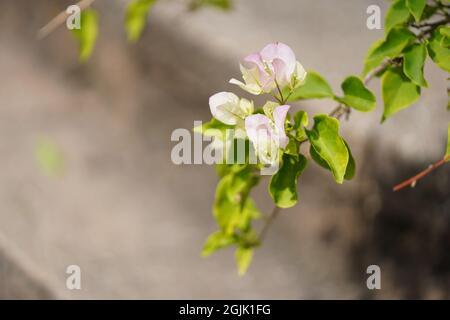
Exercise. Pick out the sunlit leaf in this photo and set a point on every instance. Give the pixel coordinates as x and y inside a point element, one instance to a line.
<point>413,63</point>
<point>328,144</point>
<point>416,8</point>
<point>220,4</point>
<point>243,257</point>
<point>397,13</point>
<point>315,87</point>
<point>136,18</point>
<point>398,91</point>
<point>87,34</point>
<point>217,240</point>
<point>351,166</point>
<point>49,157</point>
<point>439,54</point>
<point>283,184</point>
<point>356,95</point>
<point>391,47</point>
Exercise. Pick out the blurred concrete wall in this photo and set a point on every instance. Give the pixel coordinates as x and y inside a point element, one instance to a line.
<point>135,222</point>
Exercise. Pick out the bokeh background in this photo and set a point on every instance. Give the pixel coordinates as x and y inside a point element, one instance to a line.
<point>86,176</point>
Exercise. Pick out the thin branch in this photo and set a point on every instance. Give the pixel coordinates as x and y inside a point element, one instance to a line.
<point>60,19</point>
<point>270,218</point>
<point>386,63</point>
<point>413,180</point>
<point>430,24</point>
<point>341,109</point>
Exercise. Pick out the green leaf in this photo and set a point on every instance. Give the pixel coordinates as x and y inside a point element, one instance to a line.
<point>327,143</point>
<point>219,4</point>
<point>87,34</point>
<point>356,95</point>
<point>440,55</point>
<point>300,123</point>
<point>292,147</point>
<point>445,31</point>
<point>243,257</point>
<point>214,128</point>
<point>351,166</point>
<point>231,206</point>
<point>136,18</point>
<point>224,169</point>
<point>249,213</point>
<point>391,47</point>
<point>445,42</point>
<point>429,11</point>
<point>447,153</point>
<point>398,91</point>
<point>416,8</point>
<point>413,63</point>
<point>49,157</point>
<point>283,184</point>
<point>315,87</point>
<point>216,241</point>
<point>397,13</point>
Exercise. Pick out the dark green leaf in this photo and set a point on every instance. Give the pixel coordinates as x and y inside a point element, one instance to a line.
<point>399,92</point>
<point>356,95</point>
<point>327,143</point>
<point>283,185</point>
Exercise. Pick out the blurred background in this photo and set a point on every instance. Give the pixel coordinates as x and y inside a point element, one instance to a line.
<point>86,176</point>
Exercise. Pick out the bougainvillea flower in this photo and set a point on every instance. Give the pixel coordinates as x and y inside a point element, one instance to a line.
<point>228,108</point>
<point>268,135</point>
<point>274,66</point>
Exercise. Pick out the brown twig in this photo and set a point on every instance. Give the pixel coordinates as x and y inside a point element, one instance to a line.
<point>341,109</point>
<point>269,220</point>
<point>413,180</point>
<point>60,18</point>
<point>431,26</point>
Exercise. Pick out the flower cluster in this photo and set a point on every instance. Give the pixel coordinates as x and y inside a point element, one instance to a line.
<point>275,71</point>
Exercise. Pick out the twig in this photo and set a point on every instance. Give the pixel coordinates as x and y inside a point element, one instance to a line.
<point>60,19</point>
<point>413,180</point>
<point>379,69</point>
<point>270,218</point>
<point>341,109</point>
